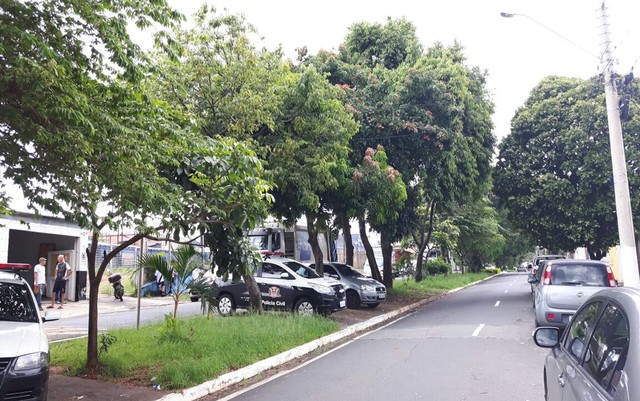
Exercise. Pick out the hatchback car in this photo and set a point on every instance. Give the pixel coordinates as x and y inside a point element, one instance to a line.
<point>360,289</point>
<point>24,349</point>
<point>563,285</point>
<point>287,285</point>
<point>598,356</point>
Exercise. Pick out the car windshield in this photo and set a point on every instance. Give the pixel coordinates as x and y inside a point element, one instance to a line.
<point>260,241</point>
<point>16,304</point>
<point>301,270</point>
<point>347,271</point>
<point>587,274</point>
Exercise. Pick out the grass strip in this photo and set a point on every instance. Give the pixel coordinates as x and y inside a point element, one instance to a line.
<point>187,352</point>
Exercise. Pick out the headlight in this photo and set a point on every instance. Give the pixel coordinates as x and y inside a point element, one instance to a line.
<point>322,289</point>
<point>32,361</point>
<point>365,287</point>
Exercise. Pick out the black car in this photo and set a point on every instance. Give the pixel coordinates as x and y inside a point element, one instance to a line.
<point>286,285</point>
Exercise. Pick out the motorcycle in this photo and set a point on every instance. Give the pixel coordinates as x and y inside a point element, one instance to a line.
<point>118,288</point>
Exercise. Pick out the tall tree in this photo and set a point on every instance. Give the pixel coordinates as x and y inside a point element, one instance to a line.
<point>554,170</point>
<point>82,139</point>
<point>480,240</point>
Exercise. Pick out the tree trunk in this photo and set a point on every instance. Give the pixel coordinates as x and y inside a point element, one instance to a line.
<point>371,257</point>
<point>387,251</point>
<point>424,240</point>
<point>348,240</point>
<point>315,245</point>
<point>255,298</point>
<point>95,276</point>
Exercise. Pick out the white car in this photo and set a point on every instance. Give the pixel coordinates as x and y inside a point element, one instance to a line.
<point>24,348</point>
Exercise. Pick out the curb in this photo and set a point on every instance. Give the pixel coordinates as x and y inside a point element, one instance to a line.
<point>231,378</point>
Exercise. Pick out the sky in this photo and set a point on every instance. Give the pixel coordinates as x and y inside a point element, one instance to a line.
<point>517,52</point>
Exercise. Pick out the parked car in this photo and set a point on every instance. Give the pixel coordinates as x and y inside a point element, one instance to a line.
<point>541,258</point>
<point>24,349</point>
<point>285,284</point>
<point>360,289</point>
<point>564,284</point>
<point>598,356</point>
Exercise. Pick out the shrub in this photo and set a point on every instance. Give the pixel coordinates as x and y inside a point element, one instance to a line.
<point>438,266</point>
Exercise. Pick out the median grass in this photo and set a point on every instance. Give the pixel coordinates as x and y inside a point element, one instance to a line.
<point>433,285</point>
<point>187,352</point>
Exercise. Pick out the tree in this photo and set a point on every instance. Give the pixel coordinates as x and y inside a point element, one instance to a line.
<point>307,150</point>
<point>480,240</point>
<point>82,138</point>
<point>380,195</point>
<point>554,170</point>
<point>177,271</point>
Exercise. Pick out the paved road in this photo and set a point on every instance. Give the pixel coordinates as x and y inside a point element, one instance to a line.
<point>472,345</point>
<point>69,327</point>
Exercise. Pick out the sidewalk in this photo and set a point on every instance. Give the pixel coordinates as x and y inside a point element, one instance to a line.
<point>106,304</point>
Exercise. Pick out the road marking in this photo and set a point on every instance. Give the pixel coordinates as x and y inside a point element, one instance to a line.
<point>497,303</point>
<point>477,331</point>
<point>505,291</point>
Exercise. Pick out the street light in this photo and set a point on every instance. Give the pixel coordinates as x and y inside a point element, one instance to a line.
<point>628,256</point>
<point>511,15</point>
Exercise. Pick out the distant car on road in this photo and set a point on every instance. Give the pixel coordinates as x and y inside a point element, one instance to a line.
<point>563,285</point>
<point>598,356</point>
<point>360,289</point>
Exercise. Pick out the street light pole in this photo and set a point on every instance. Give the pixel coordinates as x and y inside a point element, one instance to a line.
<point>628,256</point>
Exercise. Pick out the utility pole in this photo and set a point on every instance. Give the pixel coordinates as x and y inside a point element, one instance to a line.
<point>628,257</point>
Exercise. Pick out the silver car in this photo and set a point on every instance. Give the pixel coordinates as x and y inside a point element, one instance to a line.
<point>598,356</point>
<point>562,285</point>
<point>360,289</point>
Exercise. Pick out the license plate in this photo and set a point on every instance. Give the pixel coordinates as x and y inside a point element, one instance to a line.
<point>382,296</point>
<point>343,303</point>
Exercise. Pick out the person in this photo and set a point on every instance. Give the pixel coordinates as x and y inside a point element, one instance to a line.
<point>63,271</point>
<point>160,281</point>
<point>39,280</point>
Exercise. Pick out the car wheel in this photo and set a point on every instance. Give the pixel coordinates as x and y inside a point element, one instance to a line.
<point>353,300</point>
<point>226,306</point>
<point>303,307</point>
<point>371,306</point>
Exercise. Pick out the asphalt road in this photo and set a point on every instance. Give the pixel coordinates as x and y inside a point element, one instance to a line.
<point>472,345</point>
<point>77,326</point>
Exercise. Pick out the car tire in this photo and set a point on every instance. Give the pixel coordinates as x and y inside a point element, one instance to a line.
<point>304,307</point>
<point>353,299</point>
<point>226,306</point>
<point>371,306</point>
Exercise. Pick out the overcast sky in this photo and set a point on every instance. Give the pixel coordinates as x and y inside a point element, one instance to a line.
<point>517,52</point>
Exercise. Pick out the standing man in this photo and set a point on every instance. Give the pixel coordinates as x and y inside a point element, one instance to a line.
<point>39,280</point>
<point>63,271</point>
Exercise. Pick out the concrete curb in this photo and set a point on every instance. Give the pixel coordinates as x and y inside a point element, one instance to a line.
<point>231,378</point>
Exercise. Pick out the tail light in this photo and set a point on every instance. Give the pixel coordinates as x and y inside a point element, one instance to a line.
<point>546,278</point>
<point>610,278</point>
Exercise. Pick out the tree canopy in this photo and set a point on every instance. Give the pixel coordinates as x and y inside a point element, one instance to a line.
<point>554,170</point>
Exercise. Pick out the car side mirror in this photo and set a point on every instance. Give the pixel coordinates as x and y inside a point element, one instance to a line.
<point>285,276</point>
<point>546,337</point>
<point>532,279</point>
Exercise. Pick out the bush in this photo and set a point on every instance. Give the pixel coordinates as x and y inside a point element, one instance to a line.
<point>438,266</point>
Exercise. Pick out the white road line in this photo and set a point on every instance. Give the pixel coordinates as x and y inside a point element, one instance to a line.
<point>497,303</point>
<point>505,291</point>
<point>477,331</point>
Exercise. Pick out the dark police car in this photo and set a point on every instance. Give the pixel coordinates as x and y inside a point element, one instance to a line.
<point>287,285</point>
